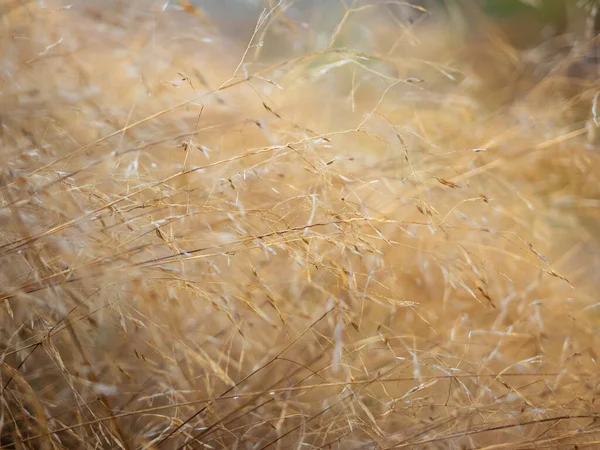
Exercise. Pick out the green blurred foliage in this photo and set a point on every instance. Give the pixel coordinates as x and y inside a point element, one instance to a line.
<point>545,10</point>
<point>524,23</point>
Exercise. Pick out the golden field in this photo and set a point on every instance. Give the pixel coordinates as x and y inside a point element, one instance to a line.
<point>359,233</point>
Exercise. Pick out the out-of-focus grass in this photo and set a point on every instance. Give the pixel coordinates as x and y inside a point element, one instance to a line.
<point>386,239</point>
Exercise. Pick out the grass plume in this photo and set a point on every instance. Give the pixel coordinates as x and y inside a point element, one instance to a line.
<point>353,229</point>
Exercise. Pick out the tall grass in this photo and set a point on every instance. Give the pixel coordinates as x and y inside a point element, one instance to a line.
<point>365,232</point>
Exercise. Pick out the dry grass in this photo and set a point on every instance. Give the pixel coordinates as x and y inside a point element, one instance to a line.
<point>360,234</point>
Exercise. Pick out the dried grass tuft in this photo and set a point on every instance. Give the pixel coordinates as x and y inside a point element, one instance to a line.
<point>364,232</point>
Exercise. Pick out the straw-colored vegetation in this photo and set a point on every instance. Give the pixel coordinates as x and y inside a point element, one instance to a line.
<point>366,232</point>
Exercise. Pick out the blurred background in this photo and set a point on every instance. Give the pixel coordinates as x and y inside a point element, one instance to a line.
<point>525,22</point>
<point>541,29</point>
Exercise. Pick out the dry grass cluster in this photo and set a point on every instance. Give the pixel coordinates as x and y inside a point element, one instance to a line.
<point>355,234</point>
